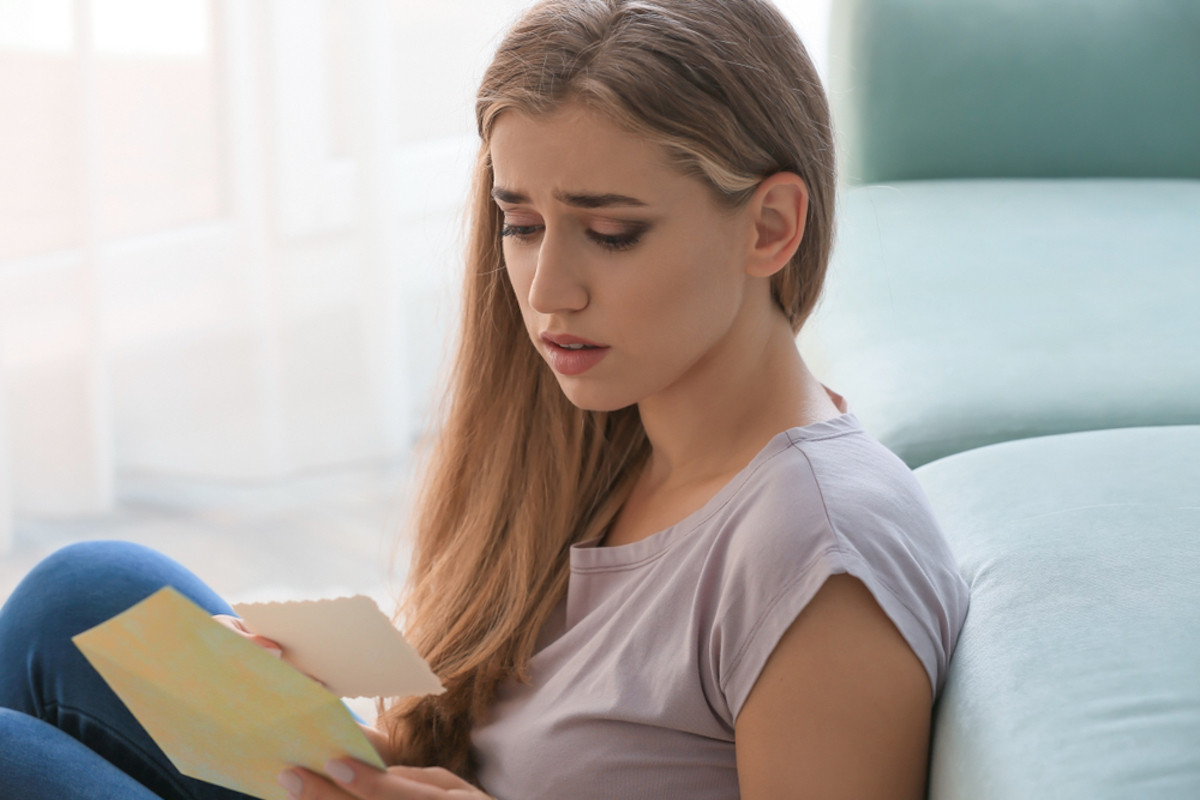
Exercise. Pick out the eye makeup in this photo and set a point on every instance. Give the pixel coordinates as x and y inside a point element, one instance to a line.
<point>617,242</point>
<point>609,241</point>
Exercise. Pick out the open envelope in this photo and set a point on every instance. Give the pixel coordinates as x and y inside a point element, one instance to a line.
<point>221,708</point>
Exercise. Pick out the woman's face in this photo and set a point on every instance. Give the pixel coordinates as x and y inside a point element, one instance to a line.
<point>627,273</point>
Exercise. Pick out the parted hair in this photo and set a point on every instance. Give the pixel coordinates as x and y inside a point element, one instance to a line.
<point>514,473</point>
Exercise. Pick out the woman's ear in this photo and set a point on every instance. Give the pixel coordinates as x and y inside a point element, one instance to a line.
<point>778,209</point>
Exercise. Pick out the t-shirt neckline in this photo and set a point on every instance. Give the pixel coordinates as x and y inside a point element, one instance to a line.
<point>587,557</point>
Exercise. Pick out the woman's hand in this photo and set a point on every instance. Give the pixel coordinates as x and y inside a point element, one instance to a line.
<point>353,780</point>
<point>237,626</point>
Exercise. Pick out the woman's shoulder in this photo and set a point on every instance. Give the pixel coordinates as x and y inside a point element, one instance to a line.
<point>837,473</point>
<point>827,499</point>
<point>862,484</point>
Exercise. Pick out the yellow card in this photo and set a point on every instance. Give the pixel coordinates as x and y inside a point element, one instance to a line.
<point>222,709</point>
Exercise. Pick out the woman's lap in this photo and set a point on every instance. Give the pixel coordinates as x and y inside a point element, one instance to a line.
<point>44,676</point>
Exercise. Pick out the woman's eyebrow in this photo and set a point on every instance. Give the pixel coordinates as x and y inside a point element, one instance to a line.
<point>582,200</point>
<point>597,200</point>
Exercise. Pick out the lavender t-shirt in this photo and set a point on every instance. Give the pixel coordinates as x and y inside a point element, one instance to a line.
<point>642,670</point>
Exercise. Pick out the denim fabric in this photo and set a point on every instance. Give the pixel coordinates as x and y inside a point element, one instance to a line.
<point>64,735</point>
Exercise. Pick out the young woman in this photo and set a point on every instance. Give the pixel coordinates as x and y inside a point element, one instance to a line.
<point>654,557</point>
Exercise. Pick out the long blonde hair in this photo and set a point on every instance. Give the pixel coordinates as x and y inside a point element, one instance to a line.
<point>517,474</point>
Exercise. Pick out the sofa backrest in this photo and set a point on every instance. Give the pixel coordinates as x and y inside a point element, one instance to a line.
<point>1016,88</point>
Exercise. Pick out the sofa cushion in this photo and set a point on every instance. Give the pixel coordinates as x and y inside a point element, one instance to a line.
<point>1016,88</point>
<point>962,313</point>
<point>1077,673</point>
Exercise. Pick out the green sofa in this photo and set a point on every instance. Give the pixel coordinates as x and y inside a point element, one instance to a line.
<point>1014,308</point>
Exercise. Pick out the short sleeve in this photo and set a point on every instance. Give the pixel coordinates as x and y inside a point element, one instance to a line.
<point>839,505</point>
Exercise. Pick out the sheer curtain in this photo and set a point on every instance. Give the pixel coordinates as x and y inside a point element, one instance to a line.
<point>229,233</point>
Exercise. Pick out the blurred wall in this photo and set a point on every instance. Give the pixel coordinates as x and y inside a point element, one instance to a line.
<point>229,232</point>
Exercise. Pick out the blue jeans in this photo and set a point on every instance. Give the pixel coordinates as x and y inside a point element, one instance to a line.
<point>64,735</point>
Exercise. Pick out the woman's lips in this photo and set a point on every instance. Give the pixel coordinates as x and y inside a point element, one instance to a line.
<point>566,360</point>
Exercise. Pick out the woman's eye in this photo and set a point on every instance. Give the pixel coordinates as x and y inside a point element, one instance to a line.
<point>616,242</point>
<point>622,241</point>
<point>519,231</point>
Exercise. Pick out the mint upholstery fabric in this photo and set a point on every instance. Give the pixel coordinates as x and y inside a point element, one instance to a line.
<point>1016,88</point>
<point>1077,673</point>
<point>963,313</point>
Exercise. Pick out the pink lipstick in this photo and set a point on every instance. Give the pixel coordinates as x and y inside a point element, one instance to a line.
<point>572,355</point>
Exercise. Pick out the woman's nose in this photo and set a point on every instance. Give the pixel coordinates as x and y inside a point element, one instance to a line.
<point>558,283</point>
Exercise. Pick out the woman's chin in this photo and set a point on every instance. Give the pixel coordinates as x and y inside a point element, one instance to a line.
<point>593,398</point>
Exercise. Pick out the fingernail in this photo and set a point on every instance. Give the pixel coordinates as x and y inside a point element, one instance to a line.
<point>274,651</point>
<point>292,782</point>
<point>339,771</point>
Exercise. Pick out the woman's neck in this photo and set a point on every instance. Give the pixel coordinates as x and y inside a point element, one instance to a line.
<point>749,388</point>
<point>709,426</point>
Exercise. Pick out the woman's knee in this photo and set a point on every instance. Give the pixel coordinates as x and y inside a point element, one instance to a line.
<point>86,583</point>
<point>68,592</point>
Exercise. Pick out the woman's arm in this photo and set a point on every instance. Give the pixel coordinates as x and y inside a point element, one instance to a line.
<point>841,709</point>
